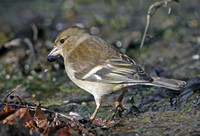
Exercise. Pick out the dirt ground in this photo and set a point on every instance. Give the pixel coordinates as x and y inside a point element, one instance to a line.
<point>172,48</point>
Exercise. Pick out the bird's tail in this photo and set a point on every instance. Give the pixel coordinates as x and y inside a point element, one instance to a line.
<point>168,83</point>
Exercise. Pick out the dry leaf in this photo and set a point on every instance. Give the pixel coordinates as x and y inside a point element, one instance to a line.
<point>54,126</point>
<point>63,132</point>
<point>6,111</point>
<point>28,120</point>
<point>11,119</point>
<point>40,118</point>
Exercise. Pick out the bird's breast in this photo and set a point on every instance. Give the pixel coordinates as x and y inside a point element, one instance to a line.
<point>97,89</point>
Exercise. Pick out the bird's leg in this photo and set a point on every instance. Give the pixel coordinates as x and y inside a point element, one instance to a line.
<point>118,104</point>
<point>119,108</point>
<point>98,105</point>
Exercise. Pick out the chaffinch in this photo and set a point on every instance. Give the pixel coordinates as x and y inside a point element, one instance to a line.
<point>99,68</point>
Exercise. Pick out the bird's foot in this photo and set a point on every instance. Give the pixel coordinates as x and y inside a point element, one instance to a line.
<point>92,117</point>
<point>119,109</point>
<point>119,106</point>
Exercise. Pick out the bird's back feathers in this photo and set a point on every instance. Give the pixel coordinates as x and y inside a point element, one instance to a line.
<point>109,66</point>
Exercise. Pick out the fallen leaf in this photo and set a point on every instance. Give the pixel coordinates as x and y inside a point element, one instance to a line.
<point>6,111</point>
<point>28,120</point>
<point>63,132</point>
<point>11,119</point>
<point>54,126</point>
<point>56,121</point>
<point>40,118</point>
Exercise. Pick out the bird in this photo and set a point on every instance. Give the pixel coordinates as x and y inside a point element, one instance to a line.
<point>99,68</point>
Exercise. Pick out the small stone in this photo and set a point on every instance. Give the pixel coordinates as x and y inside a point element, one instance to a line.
<point>195,57</point>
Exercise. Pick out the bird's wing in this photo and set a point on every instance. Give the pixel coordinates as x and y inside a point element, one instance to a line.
<point>116,70</point>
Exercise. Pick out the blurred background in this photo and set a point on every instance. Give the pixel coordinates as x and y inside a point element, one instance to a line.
<point>28,30</point>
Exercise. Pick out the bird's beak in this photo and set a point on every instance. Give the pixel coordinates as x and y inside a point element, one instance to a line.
<point>53,54</point>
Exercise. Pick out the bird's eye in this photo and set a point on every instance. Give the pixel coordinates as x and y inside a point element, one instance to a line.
<point>62,40</point>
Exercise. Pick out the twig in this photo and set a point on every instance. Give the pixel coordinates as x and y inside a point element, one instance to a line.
<point>65,116</point>
<point>79,101</point>
<point>32,108</point>
<point>35,32</point>
<point>30,45</point>
<point>17,42</point>
<point>152,9</point>
<point>10,94</point>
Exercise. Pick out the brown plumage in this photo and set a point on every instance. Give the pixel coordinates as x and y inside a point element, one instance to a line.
<point>99,68</point>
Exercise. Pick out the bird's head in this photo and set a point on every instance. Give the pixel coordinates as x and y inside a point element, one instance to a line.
<point>66,42</point>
